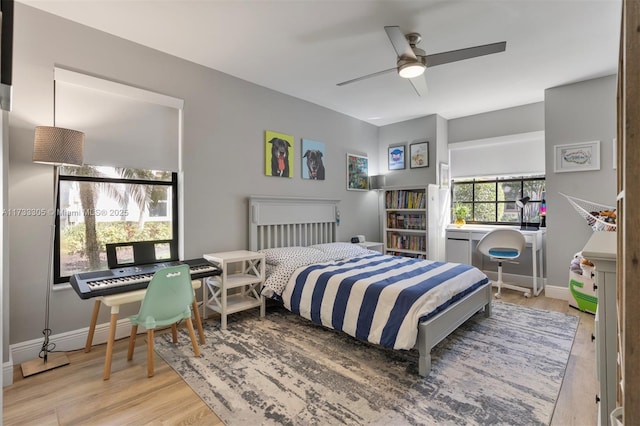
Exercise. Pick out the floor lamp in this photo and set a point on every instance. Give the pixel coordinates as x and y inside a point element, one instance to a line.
<point>55,146</point>
<point>377,184</point>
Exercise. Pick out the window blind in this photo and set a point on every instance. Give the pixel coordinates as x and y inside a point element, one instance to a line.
<point>124,126</point>
<point>513,155</point>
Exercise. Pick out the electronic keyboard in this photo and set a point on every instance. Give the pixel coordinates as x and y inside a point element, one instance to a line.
<point>129,278</point>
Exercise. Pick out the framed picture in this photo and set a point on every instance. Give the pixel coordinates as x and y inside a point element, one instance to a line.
<point>312,160</point>
<point>278,154</point>
<point>357,173</point>
<point>396,157</point>
<point>444,175</point>
<point>577,157</point>
<point>419,155</point>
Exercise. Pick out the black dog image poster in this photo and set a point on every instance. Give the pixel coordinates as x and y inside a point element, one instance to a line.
<point>312,160</point>
<point>278,154</point>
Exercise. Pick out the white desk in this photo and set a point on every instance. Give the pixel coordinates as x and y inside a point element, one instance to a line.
<point>114,301</point>
<point>460,248</point>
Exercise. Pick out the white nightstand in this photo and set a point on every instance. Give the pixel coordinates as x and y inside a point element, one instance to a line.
<point>371,245</point>
<point>241,269</point>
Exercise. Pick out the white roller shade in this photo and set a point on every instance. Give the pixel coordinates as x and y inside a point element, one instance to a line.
<point>124,126</point>
<point>513,155</point>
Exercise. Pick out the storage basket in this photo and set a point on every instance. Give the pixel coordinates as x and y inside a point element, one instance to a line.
<point>599,217</point>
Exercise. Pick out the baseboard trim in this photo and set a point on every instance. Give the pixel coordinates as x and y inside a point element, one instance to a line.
<point>7,372</point>
<point>556,292</point>
<point>69,341</point>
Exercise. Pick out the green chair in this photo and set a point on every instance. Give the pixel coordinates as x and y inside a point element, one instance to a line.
<point>168,300</point>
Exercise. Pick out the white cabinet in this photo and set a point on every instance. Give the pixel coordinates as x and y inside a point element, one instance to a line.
<point>458,247</point>
<point>243,271</point>
<point>601,250</point>
<point>405,221</point>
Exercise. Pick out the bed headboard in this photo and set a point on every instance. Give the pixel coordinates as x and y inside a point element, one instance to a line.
<point>291,221</point>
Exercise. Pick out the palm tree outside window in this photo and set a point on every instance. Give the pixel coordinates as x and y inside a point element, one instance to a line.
<point>101,205</point>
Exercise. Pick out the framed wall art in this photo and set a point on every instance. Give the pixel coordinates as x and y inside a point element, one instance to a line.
<point>419,155</point>
<point>577,157</point>
<point>357,173</point>
<point>396,156</point>
<point>278,156</point>
<point>313,155</point>
<point>444,175</point>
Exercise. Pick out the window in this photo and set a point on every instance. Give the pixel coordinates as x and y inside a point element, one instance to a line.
<point>493,200</point>
<point>101,205</point>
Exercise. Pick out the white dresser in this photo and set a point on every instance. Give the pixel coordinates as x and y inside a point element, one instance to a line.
<point>601,250</point>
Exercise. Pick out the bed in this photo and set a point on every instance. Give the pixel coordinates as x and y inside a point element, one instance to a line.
<point>392,301</point>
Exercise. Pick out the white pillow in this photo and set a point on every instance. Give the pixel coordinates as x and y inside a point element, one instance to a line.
<point>276,256</point>
<point>280,274</point>
<point>338,251</point>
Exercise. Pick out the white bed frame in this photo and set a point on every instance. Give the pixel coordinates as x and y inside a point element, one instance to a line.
<point>292,221</point>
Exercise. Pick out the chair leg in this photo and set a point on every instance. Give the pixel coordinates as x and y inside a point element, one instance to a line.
<point>192,334</point>
<point>174,332</point>
<point>150,353</point>
<point>132,342</point>
<point>499,282</point>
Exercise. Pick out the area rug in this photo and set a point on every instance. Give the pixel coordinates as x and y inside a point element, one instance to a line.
<point>283,369</point>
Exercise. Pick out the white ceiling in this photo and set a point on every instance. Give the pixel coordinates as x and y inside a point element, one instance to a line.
<point>304,47</point>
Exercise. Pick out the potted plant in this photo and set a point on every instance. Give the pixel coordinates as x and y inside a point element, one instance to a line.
<point>460,212</point>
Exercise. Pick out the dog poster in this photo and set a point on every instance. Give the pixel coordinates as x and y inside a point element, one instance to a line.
<point>312,160</point>
<point>278,154</point>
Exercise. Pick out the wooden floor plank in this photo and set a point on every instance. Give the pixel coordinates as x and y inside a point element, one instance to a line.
<point>76,394</point>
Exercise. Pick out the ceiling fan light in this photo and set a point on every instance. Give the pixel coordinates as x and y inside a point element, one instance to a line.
<point>411,69</point>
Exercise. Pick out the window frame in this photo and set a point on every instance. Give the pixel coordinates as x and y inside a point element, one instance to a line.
<point>173,184</point>
<point>496,181</point>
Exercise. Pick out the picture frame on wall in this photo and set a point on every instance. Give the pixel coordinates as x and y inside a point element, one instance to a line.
<point>444,175</point>
<point>313,154</point>
<point>357,172</point>
<point>396,157</point>
<point>577,157</point>
<point>419,155</point>
<point>278,154</point>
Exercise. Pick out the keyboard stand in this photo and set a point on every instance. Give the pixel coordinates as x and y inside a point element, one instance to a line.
<point>114,302</point>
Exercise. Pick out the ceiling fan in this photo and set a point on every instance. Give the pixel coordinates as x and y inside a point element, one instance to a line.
<point>412,61</point>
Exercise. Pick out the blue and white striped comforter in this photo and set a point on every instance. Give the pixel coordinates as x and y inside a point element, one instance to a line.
<point>378,298</point>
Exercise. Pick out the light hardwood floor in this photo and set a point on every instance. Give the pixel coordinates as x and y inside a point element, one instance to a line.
<point>76,394</point>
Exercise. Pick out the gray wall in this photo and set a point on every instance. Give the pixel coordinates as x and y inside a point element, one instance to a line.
<point>224,123</point>
<point>579,112</point>
<point>407,132</point>
<point>510,121</point>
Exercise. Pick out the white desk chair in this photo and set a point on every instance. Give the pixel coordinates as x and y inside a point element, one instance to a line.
<point>503,245</point>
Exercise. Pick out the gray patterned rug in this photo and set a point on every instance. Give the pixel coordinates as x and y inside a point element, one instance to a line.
<point>283,369</point>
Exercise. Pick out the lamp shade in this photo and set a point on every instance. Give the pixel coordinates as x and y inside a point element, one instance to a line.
<point>377,182</point>
<point>56,145</point>
<point>522,202</point>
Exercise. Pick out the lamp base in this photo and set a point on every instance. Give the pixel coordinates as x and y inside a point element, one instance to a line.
<point>36,366</point>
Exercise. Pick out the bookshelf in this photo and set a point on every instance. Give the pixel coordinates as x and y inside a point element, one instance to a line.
<point>405,222</point>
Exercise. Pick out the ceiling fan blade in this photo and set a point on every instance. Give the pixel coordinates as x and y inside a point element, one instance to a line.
<point>366,76</point>
<point>461,54</point>
<point>419,83</point>
<point>399,42</point>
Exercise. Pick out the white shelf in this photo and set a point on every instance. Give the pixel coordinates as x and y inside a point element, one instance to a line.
<point>400,206</point>
<point>242,270</point>
<point>237,303</point>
